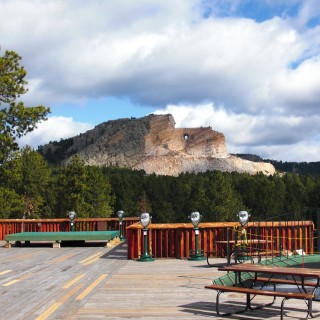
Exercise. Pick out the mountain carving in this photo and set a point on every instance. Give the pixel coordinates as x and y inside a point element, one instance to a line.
<point>153,144</point>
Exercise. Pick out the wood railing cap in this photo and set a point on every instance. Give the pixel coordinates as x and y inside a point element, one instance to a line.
<point>68,220</point>
<point>252,224</point>
<point>223,225</point>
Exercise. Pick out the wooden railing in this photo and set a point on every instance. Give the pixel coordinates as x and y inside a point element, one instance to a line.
<point>177,240</point>
<point>9,226</point>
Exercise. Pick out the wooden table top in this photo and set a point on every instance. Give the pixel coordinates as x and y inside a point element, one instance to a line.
<point>257,268</point>
<point>62,236</point>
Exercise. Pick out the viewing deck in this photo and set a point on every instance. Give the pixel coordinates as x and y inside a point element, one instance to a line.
<point>96,282</point>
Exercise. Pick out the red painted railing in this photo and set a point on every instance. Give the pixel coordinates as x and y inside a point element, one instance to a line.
<point>9,226</point>
<point>177,240</point>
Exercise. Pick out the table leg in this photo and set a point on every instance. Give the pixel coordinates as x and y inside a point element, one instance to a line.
<point>228,248</point>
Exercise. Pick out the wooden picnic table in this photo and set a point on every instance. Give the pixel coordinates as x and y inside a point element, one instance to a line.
<point>298,275</point>
<point>227,245</point>
<point>306,280</point>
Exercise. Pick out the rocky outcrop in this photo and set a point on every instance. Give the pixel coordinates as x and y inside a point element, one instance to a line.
<point>152,143</point>
<point>175,165</point>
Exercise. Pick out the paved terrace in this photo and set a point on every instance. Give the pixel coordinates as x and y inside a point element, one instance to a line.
<point>95,282</point>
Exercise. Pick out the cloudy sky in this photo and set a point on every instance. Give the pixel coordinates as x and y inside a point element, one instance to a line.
<point>248,68</point>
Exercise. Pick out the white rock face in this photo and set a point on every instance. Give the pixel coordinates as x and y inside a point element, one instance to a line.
<point>174,165</point>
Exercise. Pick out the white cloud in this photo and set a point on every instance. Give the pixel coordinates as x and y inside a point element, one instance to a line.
<point>156,55</point>
<point>298,90</point>
<point>259,79</point>
<point>309,10</point>
<point>53,129</point>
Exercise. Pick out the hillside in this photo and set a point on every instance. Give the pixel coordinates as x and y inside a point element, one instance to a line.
<point>312,168</point>
<point>152,144</point>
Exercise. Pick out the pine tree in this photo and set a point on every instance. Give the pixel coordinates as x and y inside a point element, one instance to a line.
<point>16,120</point>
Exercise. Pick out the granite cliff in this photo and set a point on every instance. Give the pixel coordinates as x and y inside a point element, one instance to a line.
<point>152,143</point>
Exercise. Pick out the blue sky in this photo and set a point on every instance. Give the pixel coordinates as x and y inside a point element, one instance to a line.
<point>100,109</point>
<point>247,68</point>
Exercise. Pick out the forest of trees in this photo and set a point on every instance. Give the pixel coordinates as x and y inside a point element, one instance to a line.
<point>30,187</point>
<point>218,196</point>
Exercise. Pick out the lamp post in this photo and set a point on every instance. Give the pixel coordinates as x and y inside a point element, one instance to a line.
<point>72,215</point>
<point>145,220</point>
<point>120,215</point>
<point>195,220</point>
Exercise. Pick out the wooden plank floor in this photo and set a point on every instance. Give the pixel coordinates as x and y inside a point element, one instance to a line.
<point>95,282</point>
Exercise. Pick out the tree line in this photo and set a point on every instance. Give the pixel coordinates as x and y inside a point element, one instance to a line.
<point>218,196</point>
<point>31,187</point>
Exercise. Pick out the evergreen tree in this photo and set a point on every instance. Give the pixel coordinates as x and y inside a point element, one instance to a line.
<point>35,180</point>
<point>219,201</point>
<point>16,120</point>
<point>11,205</point>
<point>98,194</point>
<point>27,174</point>
<point>296,196</point>
<point>144,204</point>
<point>72,188</point>
<point>180,190</point>
<point>127,188</point>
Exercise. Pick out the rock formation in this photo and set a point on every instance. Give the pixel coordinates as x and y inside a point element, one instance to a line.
<point>152,143</point>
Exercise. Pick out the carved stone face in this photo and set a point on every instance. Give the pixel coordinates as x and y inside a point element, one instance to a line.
<point>243,217</point>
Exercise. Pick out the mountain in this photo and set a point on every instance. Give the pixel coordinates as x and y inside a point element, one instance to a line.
<point>153,144</point>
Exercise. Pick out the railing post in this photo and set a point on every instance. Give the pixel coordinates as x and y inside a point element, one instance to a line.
<point>318,231</point>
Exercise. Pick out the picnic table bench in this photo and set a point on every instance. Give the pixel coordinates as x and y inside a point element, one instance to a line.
<point>250,291</point>
<point>297,276</point>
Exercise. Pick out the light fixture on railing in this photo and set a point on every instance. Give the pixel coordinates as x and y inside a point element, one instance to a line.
<point>120,215</point>
<point>145,220</point>
<point>72,216</point>
<point>196,254</point>
<point>195,218</point>
<point>243,217</point>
